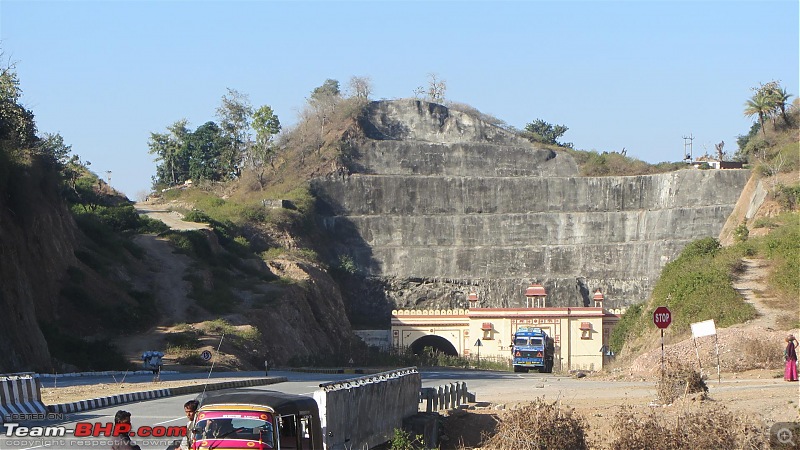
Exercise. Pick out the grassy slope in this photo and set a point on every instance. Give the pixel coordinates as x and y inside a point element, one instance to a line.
<point>697,285</point>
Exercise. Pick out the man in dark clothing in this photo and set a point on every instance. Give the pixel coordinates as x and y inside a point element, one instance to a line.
<point>123,441</point>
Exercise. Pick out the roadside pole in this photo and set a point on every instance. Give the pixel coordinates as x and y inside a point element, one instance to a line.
<point>662,317</point>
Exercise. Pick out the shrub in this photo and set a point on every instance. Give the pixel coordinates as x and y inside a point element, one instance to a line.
<point>741,233</point>
<point>787,196</point>
<point>715,427</point>
<point>539,425</point>
<point>183,339</point>
<point>677,380</point>
<point>402,440</point>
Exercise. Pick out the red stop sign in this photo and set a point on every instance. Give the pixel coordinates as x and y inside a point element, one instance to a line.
<point>662,317</point>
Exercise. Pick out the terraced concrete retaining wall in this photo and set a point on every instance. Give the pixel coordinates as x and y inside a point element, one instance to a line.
<point>364,412</point>
<point>443,204</point>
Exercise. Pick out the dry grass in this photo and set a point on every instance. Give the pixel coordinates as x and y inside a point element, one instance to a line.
<point>678,380</point>
<point>761,354</point>
<point>703,428</point>
<point>540,425</point>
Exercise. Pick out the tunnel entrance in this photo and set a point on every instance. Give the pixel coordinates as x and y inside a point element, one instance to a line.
<point>438,343</point>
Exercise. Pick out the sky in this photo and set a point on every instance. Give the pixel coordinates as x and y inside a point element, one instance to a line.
<point>638,75</point>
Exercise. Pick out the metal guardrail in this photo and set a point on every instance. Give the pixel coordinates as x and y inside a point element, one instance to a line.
<point>360,381</point>
<point>447,396</point>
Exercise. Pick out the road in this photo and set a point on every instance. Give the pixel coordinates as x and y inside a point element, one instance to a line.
<point>498,386</point>
<point>169,411</point>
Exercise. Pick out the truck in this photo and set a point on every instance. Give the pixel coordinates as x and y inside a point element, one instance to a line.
<point>532,348</point>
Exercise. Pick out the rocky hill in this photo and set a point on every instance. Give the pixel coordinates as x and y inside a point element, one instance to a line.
<point>439,204</point>
<point>432,204</point>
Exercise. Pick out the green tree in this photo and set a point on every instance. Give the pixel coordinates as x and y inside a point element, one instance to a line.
<point>323,101</point>
<point>170,149</point>
<point>780,98</point>
<point>330,88</point>
<point>758,105</point>
<point>204,147</point>
<point>234,114</point>
<point>52,146</point>
<point>546,133</point>
<point>266,126</point>
<point>17,127</point>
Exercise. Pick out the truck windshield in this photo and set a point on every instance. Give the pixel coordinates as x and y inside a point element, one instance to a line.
<point>536,341</point>
<point>251,426</point>
<point>521,341</point>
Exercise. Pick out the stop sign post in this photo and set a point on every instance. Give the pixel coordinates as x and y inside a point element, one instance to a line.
<point>662,317</point>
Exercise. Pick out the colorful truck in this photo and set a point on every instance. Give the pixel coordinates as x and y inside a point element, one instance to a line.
<point>532,349</point>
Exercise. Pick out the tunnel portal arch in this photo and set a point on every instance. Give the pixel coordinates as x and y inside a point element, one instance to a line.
<point>438,343</point>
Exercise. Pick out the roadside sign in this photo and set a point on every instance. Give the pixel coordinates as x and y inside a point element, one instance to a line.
<point>662,317</point>
<point>478,343</point>
<point>206,355</point>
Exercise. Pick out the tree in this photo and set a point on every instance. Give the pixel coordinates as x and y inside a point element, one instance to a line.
<point>52,146</point>
<point>768,100</point>
<point>266,126</point>
<point>205,147</point>
<point>234,116</point>
<point>436,88</point>
<point>170,149</point>
<point>330,88</point>
<point>778,97</point>
<point>323,101</point>
<point>758,105</point>
<point>360,87</point>
<point>17,127</point>
<point>546,133</point>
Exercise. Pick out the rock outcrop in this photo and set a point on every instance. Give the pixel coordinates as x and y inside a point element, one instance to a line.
<point>445,204</point>
<point>37,238</point>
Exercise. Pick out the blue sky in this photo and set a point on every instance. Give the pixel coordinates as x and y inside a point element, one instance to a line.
<point>632,74</point>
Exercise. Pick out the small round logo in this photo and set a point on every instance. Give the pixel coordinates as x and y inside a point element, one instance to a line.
<point>206,355</point>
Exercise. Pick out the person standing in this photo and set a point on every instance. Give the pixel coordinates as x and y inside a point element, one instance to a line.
<point>123,441</point>
<point>790,354</point>
<point>190,408</point>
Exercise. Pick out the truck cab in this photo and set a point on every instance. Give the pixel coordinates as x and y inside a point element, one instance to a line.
<point>532,349</point>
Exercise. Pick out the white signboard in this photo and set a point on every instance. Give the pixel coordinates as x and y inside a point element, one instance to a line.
<point>704,328</point>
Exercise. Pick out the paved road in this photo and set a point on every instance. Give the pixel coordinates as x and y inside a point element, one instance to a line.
<point>169,411</point>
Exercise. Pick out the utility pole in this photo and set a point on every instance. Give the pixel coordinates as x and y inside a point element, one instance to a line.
<point>687,147</point>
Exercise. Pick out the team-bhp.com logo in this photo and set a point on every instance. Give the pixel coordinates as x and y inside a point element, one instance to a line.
<point>88,429</point>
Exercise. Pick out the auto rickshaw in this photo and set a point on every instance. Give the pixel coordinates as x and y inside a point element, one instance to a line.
<point>256,419</point>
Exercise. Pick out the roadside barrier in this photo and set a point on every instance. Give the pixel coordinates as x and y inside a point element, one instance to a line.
<point>448,396</point>
<point>20,394</point>
<point>86,405</point>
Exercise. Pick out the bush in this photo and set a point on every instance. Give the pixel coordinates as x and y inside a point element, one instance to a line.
<point>183,339</point>
<point>713,428</point>
<point>539,425</point>
<point>678,380</point>
<point>741,233</point>
<point>402,440</point>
